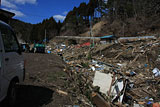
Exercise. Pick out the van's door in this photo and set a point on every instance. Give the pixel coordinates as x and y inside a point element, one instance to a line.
<point>3,82</point>
<point>0,67</point>
<point>13,63</point>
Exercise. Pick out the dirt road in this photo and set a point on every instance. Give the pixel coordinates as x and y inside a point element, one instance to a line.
<point>44,75</point>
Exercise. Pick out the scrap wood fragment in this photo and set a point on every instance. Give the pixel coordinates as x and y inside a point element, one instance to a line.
<point>119,104</point>
<point>135,59</point>
<point>149,93</point>
<point>61,92</point>
<point>99,101</point>
<point>139,93</point>
<point>118,55</point>
<point>134,50</point>
<point>134,95</point>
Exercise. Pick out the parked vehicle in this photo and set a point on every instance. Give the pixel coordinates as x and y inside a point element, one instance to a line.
<point>39,48</point>
<point>12,69</point>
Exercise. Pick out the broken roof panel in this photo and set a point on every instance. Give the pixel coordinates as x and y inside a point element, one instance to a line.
<point>6,13</point>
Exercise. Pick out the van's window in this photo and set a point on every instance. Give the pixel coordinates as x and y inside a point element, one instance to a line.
<point>10,42</point>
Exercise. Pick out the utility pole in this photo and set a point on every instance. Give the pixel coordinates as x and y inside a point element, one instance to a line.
<point>91,32</point>
<point>45,36</point>
<point>45,39</point>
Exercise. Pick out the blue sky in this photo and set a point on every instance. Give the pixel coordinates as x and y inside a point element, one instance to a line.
<point>34,11</point>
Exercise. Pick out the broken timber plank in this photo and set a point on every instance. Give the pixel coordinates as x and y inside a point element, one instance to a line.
<point>99,101</point>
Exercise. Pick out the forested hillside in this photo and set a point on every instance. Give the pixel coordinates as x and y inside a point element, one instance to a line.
<point>22,30</point>
<point>133,17</point>
<point>36,32</point>
<point>50,26</point>
<point>78,20</point>
<point>120,17</point>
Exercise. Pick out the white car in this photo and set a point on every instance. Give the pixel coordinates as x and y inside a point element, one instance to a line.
<point>11,64</point>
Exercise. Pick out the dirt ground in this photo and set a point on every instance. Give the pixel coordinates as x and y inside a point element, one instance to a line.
<point>44,75</point>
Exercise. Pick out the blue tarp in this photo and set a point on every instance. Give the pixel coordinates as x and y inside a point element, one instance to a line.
<point>106,37</point>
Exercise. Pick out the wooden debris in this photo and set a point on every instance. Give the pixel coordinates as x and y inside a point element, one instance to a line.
<point>99,101</point>
<point>61,92</point>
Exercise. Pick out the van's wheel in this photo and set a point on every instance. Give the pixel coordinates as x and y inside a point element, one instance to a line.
<point>11,95</point>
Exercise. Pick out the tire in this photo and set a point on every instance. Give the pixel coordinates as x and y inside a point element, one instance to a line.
<point>11,95</point>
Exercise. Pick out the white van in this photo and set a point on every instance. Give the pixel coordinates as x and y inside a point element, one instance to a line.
<point>11,64</point>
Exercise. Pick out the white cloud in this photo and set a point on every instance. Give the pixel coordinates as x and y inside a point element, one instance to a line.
<point>59,17</point>
<point>106,1</point>
<point>8,4</point>
<point>17,13</point>
<point>12,3</point>
<point>12,6</point>
<point>25,1</point>
<point>65,13</point>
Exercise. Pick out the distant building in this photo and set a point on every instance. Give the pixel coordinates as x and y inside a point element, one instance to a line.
<point>6,16</point>
<point>138,38</point>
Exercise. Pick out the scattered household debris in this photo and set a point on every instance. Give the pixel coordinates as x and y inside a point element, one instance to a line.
<point>118,74</point>
<point>103,81</point>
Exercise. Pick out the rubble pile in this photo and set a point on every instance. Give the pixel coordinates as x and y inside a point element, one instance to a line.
<point>122,74</point>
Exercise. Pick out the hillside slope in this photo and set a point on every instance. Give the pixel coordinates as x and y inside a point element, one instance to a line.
<point>97,30</point>
<point>22,29</point>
